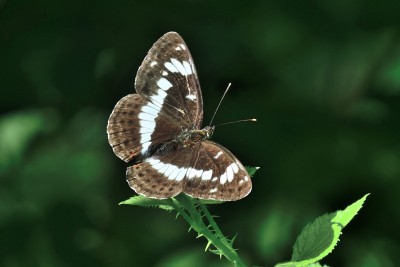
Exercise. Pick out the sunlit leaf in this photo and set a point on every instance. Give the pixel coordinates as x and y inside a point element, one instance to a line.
<point>252,170</point>
<point>319,238</point>
<point>142,201</point>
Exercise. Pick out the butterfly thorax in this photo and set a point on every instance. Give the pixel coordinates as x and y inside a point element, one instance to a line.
<point>188,138</point>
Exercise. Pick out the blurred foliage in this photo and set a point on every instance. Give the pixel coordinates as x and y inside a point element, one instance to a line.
<point>322,77</point>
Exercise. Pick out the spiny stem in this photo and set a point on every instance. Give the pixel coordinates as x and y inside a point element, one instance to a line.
<point>210,218</point>
<point>180,209</point>
<point>186,207</point>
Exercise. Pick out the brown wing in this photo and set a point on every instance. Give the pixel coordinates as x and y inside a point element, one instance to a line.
<point>169,99</point>
<point>160,176</point>
<point>169,65</point>
<point>206,171</point>
<point>216,174</point>
<point>128,135</point>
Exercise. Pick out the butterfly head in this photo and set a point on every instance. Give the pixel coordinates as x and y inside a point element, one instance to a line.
<point>208,131</point>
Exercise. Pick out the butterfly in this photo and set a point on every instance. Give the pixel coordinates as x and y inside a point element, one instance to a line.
<point>157,130</point>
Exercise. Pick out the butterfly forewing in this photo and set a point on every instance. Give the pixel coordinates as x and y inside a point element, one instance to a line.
<point>168,79</point>
<point>123,130</point>
<point>169,98</point>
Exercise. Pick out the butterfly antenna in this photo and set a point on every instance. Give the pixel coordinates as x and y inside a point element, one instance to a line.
<point>252,120</point>
<point>222,98</point>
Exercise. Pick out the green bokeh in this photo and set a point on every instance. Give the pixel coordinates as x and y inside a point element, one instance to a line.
<point>322,77</point>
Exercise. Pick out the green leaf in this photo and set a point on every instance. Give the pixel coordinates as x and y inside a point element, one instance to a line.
<point>344,217</point>
<point>210,201</point>
<point>315,239</point>
<point>142,201</point>
<point>251,170</point>
<point>320,237</point>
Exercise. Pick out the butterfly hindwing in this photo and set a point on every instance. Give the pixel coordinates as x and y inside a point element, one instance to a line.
<point>205,171</point>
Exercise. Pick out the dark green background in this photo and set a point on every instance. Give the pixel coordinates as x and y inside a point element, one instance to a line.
<point>322,77</point>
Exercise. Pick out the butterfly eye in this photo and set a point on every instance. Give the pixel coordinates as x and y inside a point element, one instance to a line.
<point>209,131</point>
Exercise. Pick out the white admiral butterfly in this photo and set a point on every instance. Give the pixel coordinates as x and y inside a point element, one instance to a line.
<point>158,131</point>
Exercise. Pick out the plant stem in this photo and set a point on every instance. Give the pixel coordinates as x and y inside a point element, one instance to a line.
<point>186,207</point>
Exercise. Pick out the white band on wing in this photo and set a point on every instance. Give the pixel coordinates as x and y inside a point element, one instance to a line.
<point>173,172</point>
